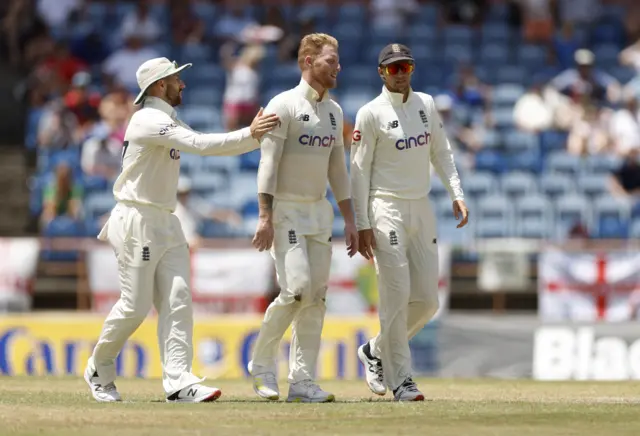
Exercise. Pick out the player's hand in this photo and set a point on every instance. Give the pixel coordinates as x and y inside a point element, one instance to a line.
<point>262,124</point>
<point>460,210</point>
<point>263,239</point>
<point>366,243</point>
<point>351,238</point>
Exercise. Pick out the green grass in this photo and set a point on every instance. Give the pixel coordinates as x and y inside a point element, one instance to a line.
<point>62,406</point>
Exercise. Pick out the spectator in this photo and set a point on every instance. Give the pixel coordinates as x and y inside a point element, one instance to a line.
<point>289,45</point>
<point>392,15</point>
<point>532,113</point>
<point>234,21</point>
<point>630,56</point>
<point>624,183</point>
<point>140,23</point>
<point>56,12</point>
<point>62,197</point>
<point>624,128</point>
<point>186,28</point>
<point>467,12</point>
<point>589,134</point>
<point>64,64</point>
<point>241,96</point>
<point>82,102</point>
<point>565,45</point>
<point>465,136</point>
<point>585,81</point>
<point>121,66</point>
<point>58,128</point>
<point>192,212</point>
<point>583,13</point>
<point>102,156</point>
<point>537,20</point>
<point>115,110</point>
<point>21,28</point>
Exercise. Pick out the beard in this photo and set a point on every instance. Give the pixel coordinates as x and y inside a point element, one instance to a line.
<point>174,97</point>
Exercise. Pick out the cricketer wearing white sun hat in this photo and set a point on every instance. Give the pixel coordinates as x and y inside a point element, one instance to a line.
<point>153,70</point>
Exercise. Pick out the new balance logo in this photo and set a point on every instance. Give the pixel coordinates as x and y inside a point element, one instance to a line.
<point>424,119</point>
<point>333,120</point>
<point>392,124</point>
<point>435,241</point>
<point>192,392</point>
<point>393,237</point>
<point>293,239</point>
<point>303,117</point>
<point>146,254</point>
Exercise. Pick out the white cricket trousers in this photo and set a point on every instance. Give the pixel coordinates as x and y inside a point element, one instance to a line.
<point>406,260</point>
<point>154,268</point>
<point>302,253</point>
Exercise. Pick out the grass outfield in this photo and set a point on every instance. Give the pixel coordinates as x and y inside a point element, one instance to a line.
<point>62,406</point>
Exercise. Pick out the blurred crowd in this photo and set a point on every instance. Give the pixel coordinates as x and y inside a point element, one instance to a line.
<point>80,79</point>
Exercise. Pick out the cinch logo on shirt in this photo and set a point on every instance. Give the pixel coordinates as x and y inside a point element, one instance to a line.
<point>411,142</point>
<point>320,141</point>
<point>174,154</point>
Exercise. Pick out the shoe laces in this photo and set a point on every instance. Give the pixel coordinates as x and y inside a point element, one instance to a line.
<point>311,386</point>
<point>268,378</point>
<point>410,385</point>
<point>378,370</point>
<point>109,387</point>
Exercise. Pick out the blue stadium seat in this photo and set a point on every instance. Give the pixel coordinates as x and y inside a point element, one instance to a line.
<point>553,141</point>
<point>450,234</point>
<point>565,163</point>
<point>33,120</point>
<point>190,164</point>
<point>480,184</point>
<point>429,15</point>
<point>496,32</point>
<point>528,160</point>
<point>611,216</point>
<point>199,116</point>
<point>534,216</point>
<point>518,184</point>
<point>98,204</point>
<point>353,99</point>
<point>592,184</point>
<point>494,228</point>
<point>623,74</point>
<point>601,164</point>
<point>207,183</point>
<point>494,53</point>
<point>635,210</point>
<point>491,139</point>
<point>531,56</point>
<point>250,208</point>
<point>62,227</point>
<point>94,184</point>
<point>459,35</point>
<point>606,55</point>
<point>203,96</point>
<point>608,33</point>
<point>220,164</point>
<point>507,94</point>
<point>520,141</point>
<point>337,229</point>
<point>458,53</point>
<point>634,229</point>
<point>503,118</point>
<point>556,185</point>
<point>243,187</point>
<point>571,209</point>
<point>438,190</point>
<point>250,161</point>
<point>490,160</point>
<point>513,74</point>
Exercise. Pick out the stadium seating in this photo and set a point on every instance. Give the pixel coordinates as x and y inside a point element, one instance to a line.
<point>522,184</point>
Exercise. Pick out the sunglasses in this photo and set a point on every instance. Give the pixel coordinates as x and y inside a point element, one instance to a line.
<point>399,67</point>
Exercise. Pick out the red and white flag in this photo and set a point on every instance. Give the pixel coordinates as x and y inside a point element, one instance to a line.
<point>587,287</point>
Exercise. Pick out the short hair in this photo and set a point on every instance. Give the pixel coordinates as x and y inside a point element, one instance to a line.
<point>312,45</point>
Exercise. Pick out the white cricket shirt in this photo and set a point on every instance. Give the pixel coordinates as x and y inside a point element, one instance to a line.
<point>393,144</point>
<point>151,153</point>
<point>305,150</point>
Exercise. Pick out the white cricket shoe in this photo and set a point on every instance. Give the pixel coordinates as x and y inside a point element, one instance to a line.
<point>104,394</point>
<point>307,391</point>
<point>266,386</point>
<point>408,391</point>
<point>373,370</point>
<point>195,394</point>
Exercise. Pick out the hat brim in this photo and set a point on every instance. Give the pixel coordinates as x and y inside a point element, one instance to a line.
<point>142,93</point>
<point>396,59</point>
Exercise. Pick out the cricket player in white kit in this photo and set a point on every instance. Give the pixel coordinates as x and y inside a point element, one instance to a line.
<point>396,138</point>
<point>152,253</point>
<point>296,219</point>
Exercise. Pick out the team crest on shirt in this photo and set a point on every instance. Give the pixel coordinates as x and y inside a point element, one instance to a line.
<point>333,121</point>
<point>423,117</point>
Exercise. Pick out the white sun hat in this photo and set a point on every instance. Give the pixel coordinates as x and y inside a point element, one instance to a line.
<point>153,70</point>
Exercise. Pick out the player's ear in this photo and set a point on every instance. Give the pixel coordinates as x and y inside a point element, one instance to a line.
<point>308,61</point>
<point>381,73</point>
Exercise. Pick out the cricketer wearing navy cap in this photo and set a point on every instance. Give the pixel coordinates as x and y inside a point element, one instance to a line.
<point>397,136</point>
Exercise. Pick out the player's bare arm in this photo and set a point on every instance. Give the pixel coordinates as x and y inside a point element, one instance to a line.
<point>271,149</point>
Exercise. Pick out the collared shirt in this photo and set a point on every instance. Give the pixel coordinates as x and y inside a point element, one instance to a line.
<point>306,149</point>
<point>151,153</point>
<point>394,143</point>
